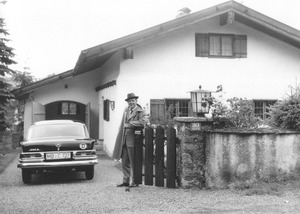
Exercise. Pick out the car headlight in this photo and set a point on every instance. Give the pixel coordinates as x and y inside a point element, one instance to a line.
<point>83,146</point>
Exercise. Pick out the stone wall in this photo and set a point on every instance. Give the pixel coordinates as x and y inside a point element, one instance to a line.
<point>220,158</point>
<point>235,157</point>
<point>191,154</point>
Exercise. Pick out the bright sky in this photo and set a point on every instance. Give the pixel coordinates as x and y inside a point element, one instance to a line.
<point>48,35</point>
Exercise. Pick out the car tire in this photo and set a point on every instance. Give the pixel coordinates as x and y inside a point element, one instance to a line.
<point>89,173</point>
<point>26,176</point>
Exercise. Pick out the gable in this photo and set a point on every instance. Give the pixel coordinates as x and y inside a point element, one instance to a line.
<point>229,11</point>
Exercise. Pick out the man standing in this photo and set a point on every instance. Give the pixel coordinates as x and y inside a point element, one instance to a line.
<point>134,117</point>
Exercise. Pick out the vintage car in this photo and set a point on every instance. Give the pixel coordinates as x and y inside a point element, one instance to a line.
<point>53,145</point>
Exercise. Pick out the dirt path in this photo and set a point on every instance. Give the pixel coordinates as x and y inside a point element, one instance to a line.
<point>71,193</point>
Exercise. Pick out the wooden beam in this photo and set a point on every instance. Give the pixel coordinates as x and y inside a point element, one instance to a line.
<point>128,53</point>
<point>227,18</point>
<point>230,18</point>
<point>223,19</point>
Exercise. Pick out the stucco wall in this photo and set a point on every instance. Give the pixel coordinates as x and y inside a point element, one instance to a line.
<point>80,89</point>
<point>242,157</point>
<point>166,67</point>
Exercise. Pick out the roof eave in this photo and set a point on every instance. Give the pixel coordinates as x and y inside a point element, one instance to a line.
<point>245,15</point>
<point>23,93</point>
<point>148,33</point>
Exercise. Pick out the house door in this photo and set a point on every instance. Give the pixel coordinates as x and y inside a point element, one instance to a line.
<point>87,116</point>
<point>38,112</point>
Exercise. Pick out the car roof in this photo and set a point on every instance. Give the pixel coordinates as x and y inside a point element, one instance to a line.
<point>52,122</point>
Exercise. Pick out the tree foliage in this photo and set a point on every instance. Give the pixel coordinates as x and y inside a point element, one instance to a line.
<point>241,113</point>
<point>6,55</point>
<point>234,112</point>
<point>22,79</point>
<point>286,113</point>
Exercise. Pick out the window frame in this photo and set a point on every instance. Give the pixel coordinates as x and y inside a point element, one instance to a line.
<point>265,104</point>
<point>231,36</point>
<point>67,109</point>
<point>203,45</point>
<point>177,106</point>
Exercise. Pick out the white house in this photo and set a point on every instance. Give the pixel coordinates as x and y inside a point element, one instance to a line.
<point>251,55</point>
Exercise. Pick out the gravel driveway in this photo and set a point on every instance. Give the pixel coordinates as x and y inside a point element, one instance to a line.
<point>71,193</point>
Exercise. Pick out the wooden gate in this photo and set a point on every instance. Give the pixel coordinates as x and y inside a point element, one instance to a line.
<point>156,165</point>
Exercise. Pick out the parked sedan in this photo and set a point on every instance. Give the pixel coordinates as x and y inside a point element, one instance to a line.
<point>53,145</point>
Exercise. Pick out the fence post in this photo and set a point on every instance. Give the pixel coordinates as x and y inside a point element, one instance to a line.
<point>159,156</point>
<point>149,156</point>
<point>171,157</point>
<point>138,156</point>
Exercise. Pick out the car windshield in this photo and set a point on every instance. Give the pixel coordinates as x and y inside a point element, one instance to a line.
<point>57,130</point>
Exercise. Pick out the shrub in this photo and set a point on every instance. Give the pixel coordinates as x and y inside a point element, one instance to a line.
<point>236,112</point>
<point>286,113</point>
<point>5,142</point>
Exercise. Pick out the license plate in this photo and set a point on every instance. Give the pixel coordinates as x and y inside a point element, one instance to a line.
<point>58,156</point>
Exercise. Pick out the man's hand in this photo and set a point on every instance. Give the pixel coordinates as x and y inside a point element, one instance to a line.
<point>127,125</point>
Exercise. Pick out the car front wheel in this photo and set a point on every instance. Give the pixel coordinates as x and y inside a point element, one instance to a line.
<point>89,173</point>
<point>26,176</point>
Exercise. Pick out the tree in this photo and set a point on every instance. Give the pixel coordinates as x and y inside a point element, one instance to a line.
<point>6,55</point>
<point>22,79</point>
<point>285,114</point>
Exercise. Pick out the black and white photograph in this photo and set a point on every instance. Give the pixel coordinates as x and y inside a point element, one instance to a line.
<point>147,106</point>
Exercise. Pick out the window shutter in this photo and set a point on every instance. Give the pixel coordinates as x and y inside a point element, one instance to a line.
<point>202,47</point>
<point>240,46</point>
<point>106,110</point>
<point>157,110</point>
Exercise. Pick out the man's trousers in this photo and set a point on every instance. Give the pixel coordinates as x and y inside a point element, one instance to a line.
<point>127,163</point>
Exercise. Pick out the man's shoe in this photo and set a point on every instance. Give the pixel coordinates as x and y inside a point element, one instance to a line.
<point>133,185</point>
<point>123,184</point>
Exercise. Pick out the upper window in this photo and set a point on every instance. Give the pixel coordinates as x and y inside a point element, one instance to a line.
<point>221,45</point>
<point>261,108</point>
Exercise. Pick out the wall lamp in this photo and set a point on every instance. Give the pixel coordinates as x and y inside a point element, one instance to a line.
<point>112,104</point>
<point>200,101</point>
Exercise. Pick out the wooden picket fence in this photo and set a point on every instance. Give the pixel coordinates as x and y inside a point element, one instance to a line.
<point>156,165</point>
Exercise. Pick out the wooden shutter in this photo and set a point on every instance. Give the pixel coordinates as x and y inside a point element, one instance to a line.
<point>106,110</point>
<point>240,46</point>
<point>202,45</point>
<point>88,116</point>
<point>38,112</point>
<point>157,110</point>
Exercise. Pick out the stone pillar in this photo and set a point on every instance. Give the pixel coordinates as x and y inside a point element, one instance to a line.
<point>191,154</point>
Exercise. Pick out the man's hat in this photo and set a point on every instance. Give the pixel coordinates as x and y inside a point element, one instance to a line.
<point>131,96</point>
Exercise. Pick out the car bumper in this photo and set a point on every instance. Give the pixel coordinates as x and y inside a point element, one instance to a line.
<point>37,165</point>
<point>37,160</point>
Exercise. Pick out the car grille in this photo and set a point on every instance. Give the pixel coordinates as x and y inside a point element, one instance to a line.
<point>49,148</point>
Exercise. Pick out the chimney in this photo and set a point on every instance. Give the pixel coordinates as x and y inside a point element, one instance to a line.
<point>183,12</point>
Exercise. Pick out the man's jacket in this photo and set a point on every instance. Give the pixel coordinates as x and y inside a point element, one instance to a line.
<point>135,120</point>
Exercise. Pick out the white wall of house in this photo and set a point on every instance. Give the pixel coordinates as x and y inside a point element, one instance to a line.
<point>80,89</point>
<point>166,67</point>
<point>110,71</point>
